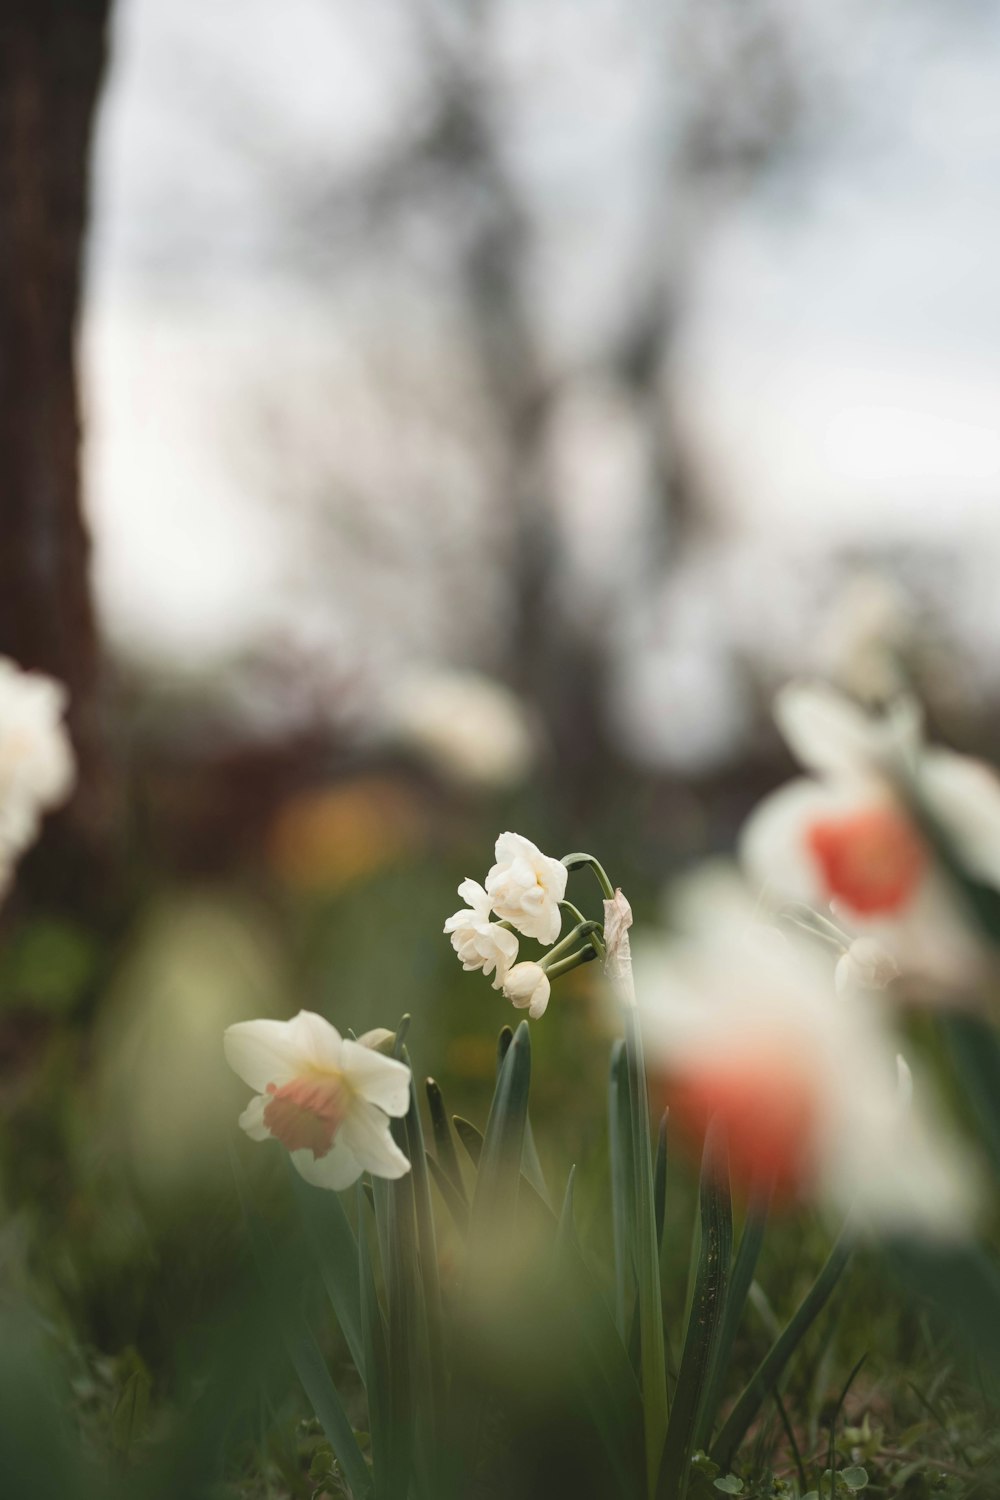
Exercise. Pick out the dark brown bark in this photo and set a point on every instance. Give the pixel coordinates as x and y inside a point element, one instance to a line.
<point>52,55</point>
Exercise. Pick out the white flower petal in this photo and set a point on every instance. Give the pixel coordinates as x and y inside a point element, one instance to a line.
<point>375,1037</point>
<point>475,897</point>
<point>964,794</point>
<point>381,1080</point>
<point>773,848</point>
<point>252,1119</point>
<point>264,1052</point>
<point>829,733</point>
<point>338,1169</point>
<point>368,1134</point>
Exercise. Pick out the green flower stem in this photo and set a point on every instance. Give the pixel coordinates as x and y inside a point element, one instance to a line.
<point>577,862</point>
<point>583,930</point>
<point>584,955</point>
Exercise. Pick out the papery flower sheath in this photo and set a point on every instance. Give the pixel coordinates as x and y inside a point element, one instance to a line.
<point>327,1098</point>
<point>526,886</point>
<point>528,987</point>
<point>480,943</point>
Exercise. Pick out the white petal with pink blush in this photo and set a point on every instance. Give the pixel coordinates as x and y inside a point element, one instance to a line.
<point>326,1098</point>
<point>742,1021</point>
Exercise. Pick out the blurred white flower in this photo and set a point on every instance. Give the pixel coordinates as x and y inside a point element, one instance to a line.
<point>36,758</point>
<point>742,1022</point>
<point>480,943</point>
<point>325,1097</point>
<point>866,965</point>
<point>465,725</point>
<point>525,887</point>
<point>527,987</point>
<point>842,839</point>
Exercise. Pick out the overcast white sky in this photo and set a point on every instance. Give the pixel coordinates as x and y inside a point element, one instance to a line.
<point>838,370</point>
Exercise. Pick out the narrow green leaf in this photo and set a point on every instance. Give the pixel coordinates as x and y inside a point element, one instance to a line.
<point>567,1229</point>
<point>334,1248</point>
<point>375,1356</point>
<point>443,1140</point>
<point>396,1237</point>
<point>531,1164</point>
<point>622,1186</point>
<point>744,1266</point>
<point>596,1359</point>
<point>471,1138</point>
<point>705,1322</point>
<point>500,1162</point>
<point>129,1415</point>
<point>975,1050</point>
<point>660,1180</point>
<point>494,1205</point>
<point>428,1255</point>
<point>504,1040</point>
<point>457,1207</point>
<point>647,1260</point>
<point>309,1364</point>
<point>772,1366</point>
<point>962,1283</point>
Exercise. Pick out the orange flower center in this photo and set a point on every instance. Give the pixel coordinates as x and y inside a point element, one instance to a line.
<point>767,1107</point>
<point>304,1115</point>
<point>872,861</point>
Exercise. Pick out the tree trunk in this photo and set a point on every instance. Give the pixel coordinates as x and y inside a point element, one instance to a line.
<point>52,56</point>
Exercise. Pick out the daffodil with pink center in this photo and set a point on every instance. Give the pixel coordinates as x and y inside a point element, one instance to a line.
<point>328,1099</point>
<point>743,1024</point>
<point>843,840</point>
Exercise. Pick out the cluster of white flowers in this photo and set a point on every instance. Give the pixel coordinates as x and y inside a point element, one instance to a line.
<point>523,890</point>
<point>36,759</point>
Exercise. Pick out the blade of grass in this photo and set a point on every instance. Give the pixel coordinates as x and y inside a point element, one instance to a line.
<point>471,1138</point>
<point>622,1185</point>
<point>333,1245</point>
<point>375,1358</point>
<point>310,1366</point>
<point>660,1180</point>
<point>457,1207</point>
<point>494,1205</point>
<point>428,1257</point>
<point>443,1140</point>
<point>975,1051</point>
<point>772,1366</point>
<point>653,1355</point>
<point>744,1265</point>
<point>705,1321</point>
<point>835,1418</point>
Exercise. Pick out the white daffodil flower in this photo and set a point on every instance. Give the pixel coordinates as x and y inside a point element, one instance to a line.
<point>325,1097</point>
<point>866,965</point>
<point>842,840</point>
<point>36,758</point>
<point>480,943</point>
<point>527,986</point>
<point>526,886</point>
<point>742,1022</point>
